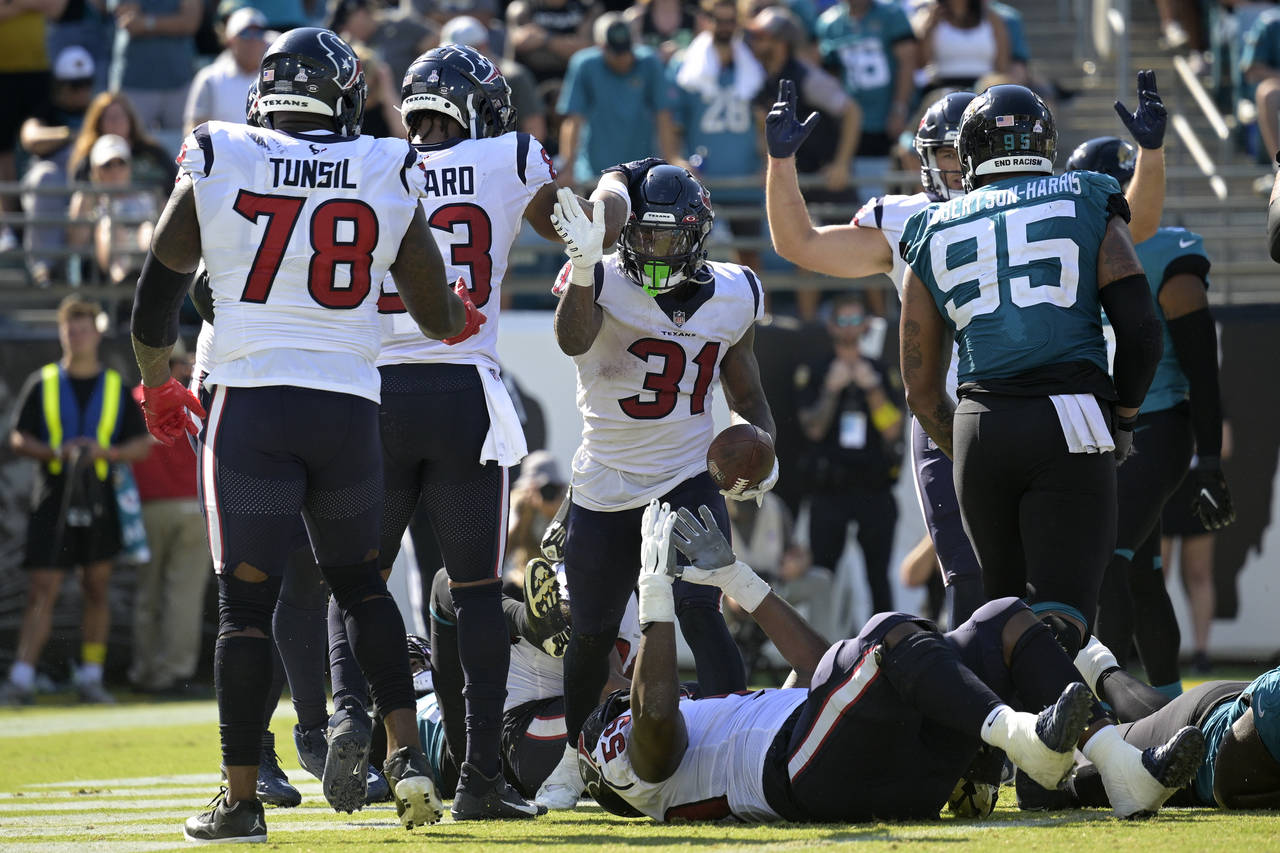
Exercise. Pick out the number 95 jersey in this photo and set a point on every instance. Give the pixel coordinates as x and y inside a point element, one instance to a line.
<point>296,232</point>
<point>645,385</point>
<point>1012,267</point>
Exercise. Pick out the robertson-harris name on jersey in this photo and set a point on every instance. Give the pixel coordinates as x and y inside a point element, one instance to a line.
<point>987,200</point>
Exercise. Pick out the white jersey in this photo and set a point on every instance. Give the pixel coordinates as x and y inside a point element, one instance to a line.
<point>476,194</point>
<point>645,386</point>
<point>297,230</point>
<point>889,214</point>
<point>722,772</point>
<point>535,675</point>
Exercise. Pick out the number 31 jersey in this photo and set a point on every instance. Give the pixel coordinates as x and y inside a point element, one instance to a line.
<point>645,385</point>
<point>475,197</point>
<point>297,230</point>
<point>1012,267</point>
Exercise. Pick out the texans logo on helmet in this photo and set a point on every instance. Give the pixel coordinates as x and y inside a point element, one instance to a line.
<point>340,54</point>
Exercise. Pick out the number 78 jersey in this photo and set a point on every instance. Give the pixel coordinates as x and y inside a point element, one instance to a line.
<point>1012,267</point>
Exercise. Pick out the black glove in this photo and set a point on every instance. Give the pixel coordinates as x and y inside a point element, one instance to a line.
<point>1124,438</point>
<point>1147,124</point>
<point>783,133</point>
<point>1212,503</point>
<point>635,171</point>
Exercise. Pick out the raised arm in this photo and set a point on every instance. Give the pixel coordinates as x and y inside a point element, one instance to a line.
<point>611,189</point>
<point>578,317</point>
<point>1145,193</point>
<point>922,341</point>
<point>740,379</point>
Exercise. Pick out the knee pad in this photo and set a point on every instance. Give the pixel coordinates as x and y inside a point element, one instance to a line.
<point>244,605</point>
<point>355,583</point>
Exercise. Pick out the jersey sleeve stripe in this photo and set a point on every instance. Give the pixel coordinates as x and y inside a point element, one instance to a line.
<point>599,271</point>
<point>410,158</point>
<point>205,141</point>
<point>522,154</point>
<point>755,291</point>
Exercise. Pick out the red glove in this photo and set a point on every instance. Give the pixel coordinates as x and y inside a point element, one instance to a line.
<point>475,319</point>
<point>166,409</point>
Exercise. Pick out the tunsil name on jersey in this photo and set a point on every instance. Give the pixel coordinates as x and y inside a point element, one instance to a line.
<point>315,174</point>
<point>450,180</point>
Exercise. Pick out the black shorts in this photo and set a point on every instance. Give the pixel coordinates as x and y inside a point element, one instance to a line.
<point>1162,445</point>
<point>533,739</point>
<point>25,94</point>
<point>1177,518</point>
<point>89,534</point>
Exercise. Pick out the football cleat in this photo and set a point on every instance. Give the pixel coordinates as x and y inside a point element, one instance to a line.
<point>346,766</point>
<point>378,791</point>
<point>1138,783</point>
<point>311,748</point>
<point>1043,746</point>
<point>1033,798</point>
<point>223,824</point>
<point>481,797</point>
<point>417,800</point>
<point>273,786</point>
<point>545,607</point>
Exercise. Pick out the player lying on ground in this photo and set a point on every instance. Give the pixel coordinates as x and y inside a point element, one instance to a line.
<point>889,722</point>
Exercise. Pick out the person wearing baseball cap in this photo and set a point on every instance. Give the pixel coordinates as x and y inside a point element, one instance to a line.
<point>530,108</point>
<point>218,90</point>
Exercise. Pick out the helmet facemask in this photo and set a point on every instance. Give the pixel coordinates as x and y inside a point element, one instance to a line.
<point>661,257</point>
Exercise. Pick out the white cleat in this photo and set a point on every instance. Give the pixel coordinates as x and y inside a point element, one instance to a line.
<point>563,788</point>
<point>1043,745</point>
<point>1139,781</point>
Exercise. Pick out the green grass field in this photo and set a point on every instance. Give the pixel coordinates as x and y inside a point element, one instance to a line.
<point>101,780</point>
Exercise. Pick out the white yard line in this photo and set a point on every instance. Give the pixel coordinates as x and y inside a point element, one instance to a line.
<point>28,724</point>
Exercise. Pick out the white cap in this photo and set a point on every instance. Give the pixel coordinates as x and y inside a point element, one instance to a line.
<point>465,30</point>
<point>109,147</point>
<point>73,63</point>
<point>243,19</point>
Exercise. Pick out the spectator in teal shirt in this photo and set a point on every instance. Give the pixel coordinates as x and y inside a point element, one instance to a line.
<point>612,101</point>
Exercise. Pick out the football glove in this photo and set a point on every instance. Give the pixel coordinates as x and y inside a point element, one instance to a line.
<point>1212,503</point>
<point>1124,438</point>
<point>475,317</point>
<point>168,408</point>
<point>583,238</point>
<point>714,563</point>
<point>657,564</point>
<point>1146,124</point>
<point>755,493</point>
<point>557,532</point>
<point>782,132</point>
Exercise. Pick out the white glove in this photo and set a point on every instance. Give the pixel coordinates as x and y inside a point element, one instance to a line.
<point>583,238</point>
<point>758,492</point>
<point>713,560</point>
<point>657,564</point>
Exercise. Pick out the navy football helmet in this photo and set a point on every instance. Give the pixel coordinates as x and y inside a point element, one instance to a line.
<point>1109,155</point>
<point>939,128</point>
<point>462,83</point>
<point>1006,130</point>
<point>312,70</point>
<point>663,244</point>
<point>615,705</point>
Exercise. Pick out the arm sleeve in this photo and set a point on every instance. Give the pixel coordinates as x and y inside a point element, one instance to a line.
<point>1195,342</point>
<point>1139,342</point>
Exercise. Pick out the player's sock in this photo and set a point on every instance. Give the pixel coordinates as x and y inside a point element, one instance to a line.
<point>1114,625</point>
<point>1155,624</point>
<point>276,690</point>
<point>586,669</point>
<point>485,652</point>
<point>344,670</point>
<point>965,595</point>
<point>1040,669</point>
<point>715,654</point>
<point>375,631</point>
<point>1131,698</point>
<point>928,673</point>
<point>301,635</point>
<point>447,675</point>
<point>242,678</point>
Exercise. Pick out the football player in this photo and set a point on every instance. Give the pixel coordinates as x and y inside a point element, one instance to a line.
<point>651,328</point>
<point>1018,270</point>
<point>449,429</point>
<point>1181,415</point>
<point>881,727</point>
<point>297,337</point>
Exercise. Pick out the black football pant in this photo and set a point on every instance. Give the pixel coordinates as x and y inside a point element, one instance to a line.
<point>876,512</point>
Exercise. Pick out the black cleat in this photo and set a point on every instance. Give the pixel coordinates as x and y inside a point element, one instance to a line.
<point>312,749</point>
<point>223,824</point>
<point>1034,798</point>
<point>273,786</point>
<point>1060,725</point>
<point>379,790</point>
<point>545,606</point>
<point>409,775</point>
<point>481,797</point>
<point>346,766</point>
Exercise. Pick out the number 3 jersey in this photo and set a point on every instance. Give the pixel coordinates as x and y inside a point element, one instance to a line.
<point>645,385</point>
<point>475,196</point>
<point>296,231</point>
<point>1012,267</point>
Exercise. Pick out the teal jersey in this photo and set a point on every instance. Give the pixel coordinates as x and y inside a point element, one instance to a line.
<point>720,134</point>
<point>1169,252</point>
<point>1012,267</point>
<point>1263,695</point>
<point>860,50</point>
<point>1261,47</point>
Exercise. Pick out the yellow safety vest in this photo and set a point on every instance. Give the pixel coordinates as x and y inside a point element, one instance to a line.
<point>51,393</point>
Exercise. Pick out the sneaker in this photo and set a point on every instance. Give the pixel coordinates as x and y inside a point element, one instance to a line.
<point>273,786</point>
<point>12,694</point>
<point>417,800</point>
<point>311,748</point>
<point>545,606</point>
<point>1138,783</point>
<point>223,824</point>
<point>481,797</point>
<point>379,791</point>
<point>346,766</point>
<point>563,788</point>
<point>93,693</point>
<point>1043,746</point>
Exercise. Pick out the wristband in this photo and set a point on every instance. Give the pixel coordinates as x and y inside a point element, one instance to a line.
<point>582,276</point>
<point>746,587</point>
<point>657,601</point>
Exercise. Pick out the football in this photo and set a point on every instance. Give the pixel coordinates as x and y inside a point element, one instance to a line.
<point>740,457</point>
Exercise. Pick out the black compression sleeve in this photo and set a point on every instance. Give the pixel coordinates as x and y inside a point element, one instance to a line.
<point>202,295</point>
<point>1195,341</point>
<point>1139,342</point>
<point>1273,230</point>
<point>157,302</point>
